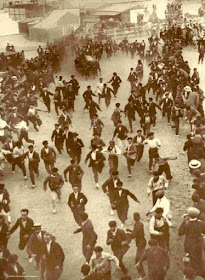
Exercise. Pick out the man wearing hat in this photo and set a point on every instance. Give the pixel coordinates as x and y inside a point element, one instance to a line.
<point>159,228</point>
<point>109,187</point>
<point>121,203</point>
<point>89,236</point>
<point>100,263</point>
<point>96,161</point>
<point>93,107</point>
<point>96,140</point>
<point>48,155</point>
<point>75,174</point>
<point>118,240</point>
<point>77,201</point>
<point>35,248</point>
<point>138,142</point>
<point>158,262</point>
<point>115,82</point>
<point>193,229</point>
<point>76,145</point>
<point>130,113</point>
<point>75,84</point>
<point>166,104</point>
<point>58,138</point>
<point>69,98</point>
<point>33,163</point>
<point>55,183</point>
<point>64,119</point>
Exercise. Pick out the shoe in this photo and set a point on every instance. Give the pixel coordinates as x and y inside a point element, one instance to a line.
<point>13,172</point>
<point>33,186</point>
<point>30,260</point>
<point>122,225</point>
<point>111,212</point>
<point>177,135</point>
<point>49,114</point>
<point>60,155</point>
<point>97,185</point>
<point>54,211</point>
<point>25,178</point>
<point>129,176</point>
<point>150,171</point>
<point>169,124</point>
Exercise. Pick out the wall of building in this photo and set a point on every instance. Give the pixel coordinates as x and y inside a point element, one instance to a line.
<point>125,17</point>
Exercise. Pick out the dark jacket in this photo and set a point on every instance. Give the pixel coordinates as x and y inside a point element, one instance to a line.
<point>11,272</point>
<point>28,229</point>
<point>76,146</point>
<point>138,234</point>
<point>55,257</point>
<point>49,157</point>
<point>115,81</point>
<point>75,173</point>
<point>54,182</point>
<point>79,203</point>
<point>35,245</point>
<point>57,136</point>
<point>122,201</point>
<point>4,233</point>
<point>99,158</point>
<point>121,132</point>
<point>34,161</point>
<point>116,240</point>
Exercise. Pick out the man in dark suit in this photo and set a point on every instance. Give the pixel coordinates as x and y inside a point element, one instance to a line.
<point>54,258</point>
<point>166,105</point>
<point>118,240</point>
<point>4,203</point>
<point>121,203</point>
<point>89,236</point>
<point>138,141</point>
<point>109,187</point>
<point>76,202</point>
<point>97,125</point>
<point>92,107</point>
<point>152,110</point>
<point>64,119</point>
<point>87,95</point>
<point>116,117</point>
<point>121,132</point>
<point>157,259</point>
<point>35,247</point>
<point>130,113</point>
<point>33,163</point>
<point>132,78</point>
<point>138,234</point>
<point>96,162</point>
<point>115,82</point>
<point>45,94</point>
<point>75,84</point>
<point>75,174</point>
<point>26,228</point>
<point>107,94</point>
<point>58,137</point>
<point>68,137</point>
<point>76,145</point>
<point>4,231</point>
<point>48,154</point>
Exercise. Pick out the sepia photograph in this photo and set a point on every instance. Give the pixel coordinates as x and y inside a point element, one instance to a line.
<point>102,140</point>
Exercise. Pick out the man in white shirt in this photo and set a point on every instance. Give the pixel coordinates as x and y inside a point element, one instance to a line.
<point>159,228</point>
<point>100,263</point>
<point>99,89</point>
<point>162,202</point>
<point>154,144</point>
<point>156,183</point>
<point>113,151</point>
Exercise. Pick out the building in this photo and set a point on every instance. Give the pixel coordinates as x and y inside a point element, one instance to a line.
<point>121,11</point>
<point>56,25</point>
